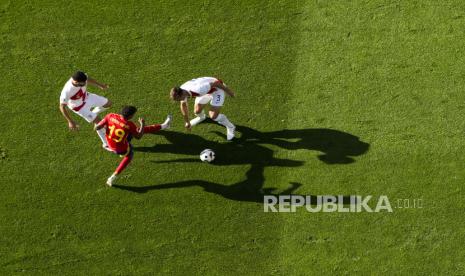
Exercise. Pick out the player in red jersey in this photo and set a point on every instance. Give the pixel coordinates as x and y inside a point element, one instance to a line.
<point>119,132</point>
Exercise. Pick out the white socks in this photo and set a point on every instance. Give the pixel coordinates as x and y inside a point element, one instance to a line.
<point>166,124</point>
<point>101,133</point>
<point>223,120</point>
<point>230,128</point>
<point>200,118</point>
<point>220,119</point>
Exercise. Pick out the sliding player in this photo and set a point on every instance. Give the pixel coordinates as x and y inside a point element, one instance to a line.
<point>87,105</point>
<point>119,132</point>
<point>205,90</point>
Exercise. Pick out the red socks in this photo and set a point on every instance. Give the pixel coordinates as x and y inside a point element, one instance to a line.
<point>124,163</point>
<point>152,128</point>
<point>127,159</point>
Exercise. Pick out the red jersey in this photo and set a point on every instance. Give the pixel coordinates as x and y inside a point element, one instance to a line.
<point>118,130</point>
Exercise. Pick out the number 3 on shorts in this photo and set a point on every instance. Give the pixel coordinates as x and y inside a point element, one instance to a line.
<point>217,99</point>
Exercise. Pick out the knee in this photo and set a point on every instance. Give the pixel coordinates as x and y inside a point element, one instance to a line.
<point>213,115</point>
<point>197,109</point>
<point>108,104</point>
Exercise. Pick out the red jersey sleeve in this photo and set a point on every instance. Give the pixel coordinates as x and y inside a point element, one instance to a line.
<point>104,121</point>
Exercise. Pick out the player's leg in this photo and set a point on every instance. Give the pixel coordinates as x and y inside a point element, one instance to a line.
<point>92,117</point>
<point>101,133</point>
<point>199,106</point>
<point>216,104</point>
<point>221,119</point>
<point>127,158</point>
<point>157,127</point>
<point>100,103</point>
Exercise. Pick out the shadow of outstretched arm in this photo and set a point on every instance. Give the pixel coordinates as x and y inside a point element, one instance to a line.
<point>222,162</point>
<point>249,189</point>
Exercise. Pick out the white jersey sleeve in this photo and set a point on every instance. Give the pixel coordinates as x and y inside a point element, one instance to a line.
<point>64,97</point>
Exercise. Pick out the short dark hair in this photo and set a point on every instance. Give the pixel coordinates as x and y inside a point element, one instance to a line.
<point>79,76</point>
<point>128,111</point>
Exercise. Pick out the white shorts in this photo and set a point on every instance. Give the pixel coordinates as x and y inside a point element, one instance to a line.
<point>216,98</point>
<point>92,100</point>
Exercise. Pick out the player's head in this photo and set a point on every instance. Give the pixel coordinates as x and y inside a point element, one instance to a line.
<point>178,94</point>
<point>128,111</point>
<point>79,78</point>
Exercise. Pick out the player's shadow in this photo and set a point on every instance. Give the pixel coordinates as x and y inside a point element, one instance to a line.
<point>336,147</point>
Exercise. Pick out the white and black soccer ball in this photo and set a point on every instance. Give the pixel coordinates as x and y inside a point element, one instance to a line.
<point>207,155</point>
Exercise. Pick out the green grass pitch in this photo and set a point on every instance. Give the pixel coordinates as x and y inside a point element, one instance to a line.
<point>333,98</point>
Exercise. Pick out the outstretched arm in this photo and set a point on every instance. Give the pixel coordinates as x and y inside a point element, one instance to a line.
<point>185,114</point>
<point>71,124</point>
<point>101,124</point>
<point>95,83</point>
<point>140,130</point>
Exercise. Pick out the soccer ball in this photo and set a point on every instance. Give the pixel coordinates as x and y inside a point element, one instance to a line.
<point>207,155</point>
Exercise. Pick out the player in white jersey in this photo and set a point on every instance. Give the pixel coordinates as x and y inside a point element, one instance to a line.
<point>87,105</point>
<point>205,90</point>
